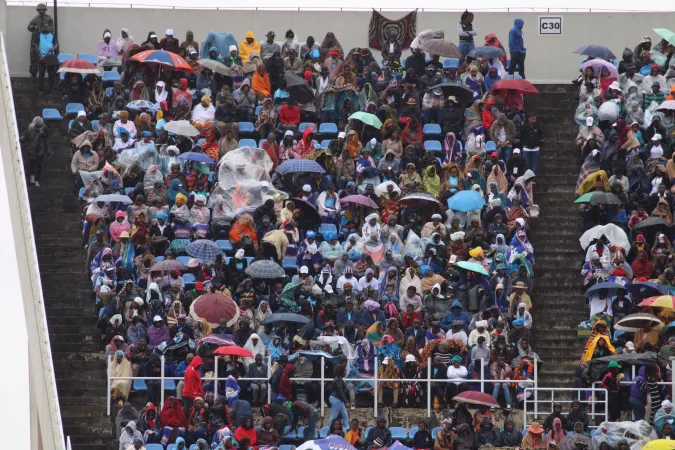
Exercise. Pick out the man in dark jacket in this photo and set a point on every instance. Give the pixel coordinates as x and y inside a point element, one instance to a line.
<point>531,139</point>
<point>299,409</point>
<point>276,376</point>
<point>380,435</point>
<point>347,313</point>
<point>417,62</point>
<point>556,414</point>
<point>516,166</point>
<point>417,333</point>
<point>258,389</point>
<point>575,415</point>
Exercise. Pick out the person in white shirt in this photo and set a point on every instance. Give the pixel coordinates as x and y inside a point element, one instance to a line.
<point>348,277</point>
<point>204,112</point>
<point>456,371</point>
<point>369,282</point>
<point>481,330</point>
<point>457,332</point>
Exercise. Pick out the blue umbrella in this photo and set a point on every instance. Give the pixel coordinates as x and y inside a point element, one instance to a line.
<point>466,201</point>
<point>635,288</point>
<point>194,156</point>
<point>597,51</point>
<point>611,287</point>
<point>137,105</point>
<point>487,52</point>
<point>204,249</point>
<point>299,165</point>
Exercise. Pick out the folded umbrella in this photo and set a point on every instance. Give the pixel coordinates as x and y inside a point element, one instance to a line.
<point>440,47</point>
<point>215,66</point>
<point>596,51</point>
<point>359,199</point>
<point>204,249</point>
<point>487,52</point>
<point>466,201</point>
<point>463,94</point>
<point>265,270</point>
<point>181,128</point>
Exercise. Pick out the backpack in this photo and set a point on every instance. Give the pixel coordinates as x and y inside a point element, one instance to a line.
<point>390,310</point>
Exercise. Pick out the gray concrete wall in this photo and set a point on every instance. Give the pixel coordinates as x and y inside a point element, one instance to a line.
<point>549,58</point>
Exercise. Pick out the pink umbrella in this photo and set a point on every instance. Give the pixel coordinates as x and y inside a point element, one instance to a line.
<point>359,199</point>
<point>598,64</point>
<point>476,398</point>
<point>214,307</point>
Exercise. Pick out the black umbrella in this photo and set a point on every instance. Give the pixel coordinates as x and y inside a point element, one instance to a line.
<point>309,217</point>
<point>605,198</point>
<point>596,51</point>
<point>463,94</point>
<point>598,367</point>
<point>652,225</point>
<point>487,52</point>
<point>285,317</point>
<point>298,88</point>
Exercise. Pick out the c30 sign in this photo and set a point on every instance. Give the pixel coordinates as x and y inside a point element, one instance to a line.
<point>550,25</point>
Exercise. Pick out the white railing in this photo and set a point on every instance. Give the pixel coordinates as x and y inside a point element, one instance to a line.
<point>482,381</point>
<point>535,402</point>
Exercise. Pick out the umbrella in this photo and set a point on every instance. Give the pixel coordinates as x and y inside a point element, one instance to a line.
<point>666,34</point>
<point>265,270</point>
<point>614,234</point>
<point>652,224</point>
<point>233,350</point>
<point>213,307</point>
<point>285,317</point>
<point>611,287</point>
<point>195,156</point>
<point>332,442</point>
<point>487,52</point>
<point>634,322</point>
<point>181,128</point>
<point>441,47</point>
<point>462,93</point>
<point>215,66</point>
<point>659,444</point>
<point>596,51</point>
<point>466,201</point>
<point>599,198</point>
<point>204,249</point>
<point>522,86</point>
<point>112,198</point>
<point>167,266</point>
<point>359,199</point>
<point>598,64</point>
<point>598,367</point>
<point>309,217</point>
<point>298,88</point>
<point>569,441</point>
<point>661,301</point>
<point>178,246</point>
<point>398,446</point>
<point>299,165</point>
<point>635,288</point>
<point>78,66</point>
<point>476,398</point>
<point>137,105</point>
<point>216,339</point>
<point>419,200</point>
<point>367,118</point>
<point>163,58</point>
<point>668,105</point>
<point>382,188</point>
<point>472,267</point>
<point>425,36</point>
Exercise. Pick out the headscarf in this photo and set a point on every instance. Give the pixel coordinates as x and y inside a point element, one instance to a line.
<point>161,96</point>
<point>123,44</point>
<point>353,144</point>
<point>432,183</point>
<point>327,46</point>
<point>499,178</point>
<point>452,154</point>
<point>410,278</point>
<point>258,349</point>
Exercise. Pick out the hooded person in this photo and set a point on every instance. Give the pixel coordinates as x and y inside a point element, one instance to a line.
<point>255,345</point>
<point>129,435</point>
<point>126,414</point>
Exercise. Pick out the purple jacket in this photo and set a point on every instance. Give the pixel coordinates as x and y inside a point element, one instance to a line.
<point>638,389</point>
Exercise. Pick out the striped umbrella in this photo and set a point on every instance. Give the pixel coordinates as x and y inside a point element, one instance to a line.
<point>78,65</point>
<point>299,165</point>
<point>163,58</point>
<point>660,301</point>
<point>204,249</point>
<point>265,269</point>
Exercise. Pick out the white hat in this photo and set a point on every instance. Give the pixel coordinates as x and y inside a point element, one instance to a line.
<point>139,301</point>
<point>410,358</point>
<point>499,286</point>
<point>436,216</point>
<point>516,150</point>
<point>81,114</point>
<point>595,152</point>
<point>520,221</point>
<point>304,269</point>
<point>328,288</point>
<point>192,262</point>
<point>233,47</point>
<point>192,50</point>
<point>589,121</point>
<point>373,142</point>
<point>288,133</point>
<point>156,319</point>
<point>385,361</point>
<point>656,137</point>
<point>107,34</point>
<point>615,85</point>
<point>239,254</point>
<point>307,188</point>
<point>153,35</point>
<point>481,324</point>
<point>169,32</point>
<point>342,134</point>
<point>630,345</point>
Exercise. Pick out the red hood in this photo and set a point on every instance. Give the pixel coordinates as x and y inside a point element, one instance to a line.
<point>196,362</point>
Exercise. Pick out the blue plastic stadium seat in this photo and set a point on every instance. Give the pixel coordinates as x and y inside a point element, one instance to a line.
<point>248,143</point>
<point>249,259</point>
<point>189,279</point>
<point>289,264</point>
<point>287,447</point>
<point>51,114</point>
<point>159,447</point>
<point>94,123</point>
<point>304,125</point>
<point>80,194</point>
<point>432,129</point>
<point>63,57</point>
<point>323,434</point>
<point>257,110</point>
<point>88,57</point>
<point>108,91</point>
<point>261,142</point>
<point>139,385</point>
<point>111,76</point>
<point>169,385</point>
<point>128,191</point>
<point>328,129</point>
<point>288,435</point>
<point>399,433</point>
<point>246,127</point>
<point>73,108</point>
<point>434,146</point>
<point>327,228</point>
<point>225,245</point>
<point>435,431</point>
<point>490,146</point>
<point>368,430</point>
<point>183,259</point>
<point>159,259</point>
<point>403,62</point>
<point>70,123</point>
<point>451,63</point>
<point>414,430</point>
<point>301,433</point>
<point>325,143</point>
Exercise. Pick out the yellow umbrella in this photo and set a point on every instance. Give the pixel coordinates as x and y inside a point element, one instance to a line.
<point>659,444</point>
<point>660,301</point>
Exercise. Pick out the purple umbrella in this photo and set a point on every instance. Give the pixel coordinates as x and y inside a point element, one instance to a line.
<point>359,199</point>
<point>598,64</point>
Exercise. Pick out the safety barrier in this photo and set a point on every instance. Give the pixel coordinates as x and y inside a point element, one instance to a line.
<point>535,402</point>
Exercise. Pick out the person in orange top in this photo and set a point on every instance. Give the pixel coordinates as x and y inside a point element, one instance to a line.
<point>487,116</point>
<point>306,144</point>
<point>210,146</point>
<point>260,83</point>
<point>672,94</point>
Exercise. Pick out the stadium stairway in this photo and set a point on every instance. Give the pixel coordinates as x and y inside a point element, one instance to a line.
<point>77,354</point>
<point>558,300</point>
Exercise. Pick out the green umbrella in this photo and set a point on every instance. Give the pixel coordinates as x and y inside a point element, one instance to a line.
<point>472,267</point>
<point>367,118</point>
<point>597,198</point>
<point>666,34</point>
<point>586,198</point>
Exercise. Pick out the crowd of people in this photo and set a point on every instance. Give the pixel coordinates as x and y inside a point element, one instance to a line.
<point>412,256</point>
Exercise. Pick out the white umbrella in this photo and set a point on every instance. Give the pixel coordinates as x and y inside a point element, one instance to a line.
<point>181,128</point>
<point>216,66</point>
<point>427,35</point>
<point>668,105</point>
<point>614,234</point>
<point>608,111</point>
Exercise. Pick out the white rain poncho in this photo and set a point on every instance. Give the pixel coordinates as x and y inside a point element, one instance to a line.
<point>92,185</point>
<point>413,246</point>
<point>248,155</point>
<point>152,176</point>
<point>636,434</point>
<point>608,111</point>
<point>614,234</point>
<point>584,110</point>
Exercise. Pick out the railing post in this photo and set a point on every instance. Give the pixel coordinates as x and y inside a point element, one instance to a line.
<point>323,383</point>
<point>161,385</point>
<point>108,383</point>
<point>215,382</point>
<point>482,376</point>
<point>593,386</point>
<point>375,378</point>
<point>536,391</point>
<point>269,385</point>
<point>429,386</point>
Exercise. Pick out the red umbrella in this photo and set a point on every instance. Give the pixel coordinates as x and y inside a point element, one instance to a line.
<point>232,350</point>
<point>476,398</point>
<point>166,59</point>
<point>77,65</point>
<point>359,200</point>
<point>522,86</point>
<point>214,307</point>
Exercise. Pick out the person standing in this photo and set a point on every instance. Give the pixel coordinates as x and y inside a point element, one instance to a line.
<point>192,384</point>
<point>466,32</point>
<point>531,139</point>
<point>35,142</point>
<point>35,27</point>
<point>517,48</point>
<point>47,48</point>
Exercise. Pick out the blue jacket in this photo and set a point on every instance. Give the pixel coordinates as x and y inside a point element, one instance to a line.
<point>516,43</point>
<point>451,316</point>
<point>342,318</point>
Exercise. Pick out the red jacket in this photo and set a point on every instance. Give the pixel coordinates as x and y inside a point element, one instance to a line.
<point>193,379</point>
<point>285,390</point>
<point>241,432</point>
<point>289,115</point>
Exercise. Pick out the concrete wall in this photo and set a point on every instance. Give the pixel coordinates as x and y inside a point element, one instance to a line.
<point>549,58</point>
